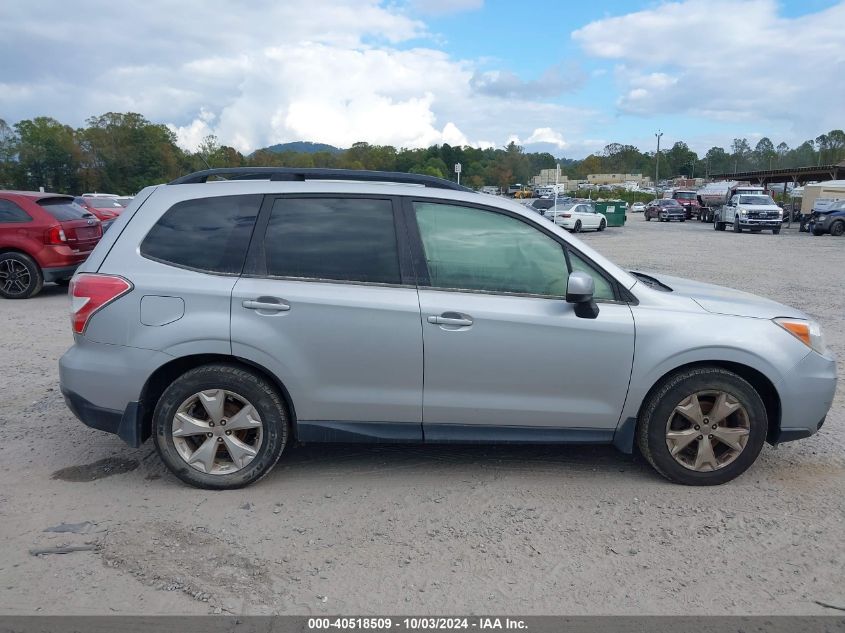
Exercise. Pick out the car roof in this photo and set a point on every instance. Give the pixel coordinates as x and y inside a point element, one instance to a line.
<point>35,195</point>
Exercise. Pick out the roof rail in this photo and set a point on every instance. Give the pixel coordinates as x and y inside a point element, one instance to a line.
<point>313,173</point>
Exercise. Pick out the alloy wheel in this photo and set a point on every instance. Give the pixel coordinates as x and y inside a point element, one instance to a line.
<point>15,277</point>
<point>217,432</point>
<point>707,430</point>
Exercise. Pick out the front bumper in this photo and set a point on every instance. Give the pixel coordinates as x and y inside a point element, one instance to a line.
<point>806,395</point>
<point>759,223</point>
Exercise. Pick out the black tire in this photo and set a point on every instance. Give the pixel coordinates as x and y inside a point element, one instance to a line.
<point>602,225</point>
<point>256,390</point>
<point>651,426</point>
<point>577,228</point>
<point>20,276</point>
<point>737,227</point>
<point>837,228</point>
<point>683,219</point>
<point>818,232</point>
<point>647,217</point>
<point>776,231</point>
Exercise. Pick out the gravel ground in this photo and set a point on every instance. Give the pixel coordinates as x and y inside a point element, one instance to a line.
<point>356,530</point>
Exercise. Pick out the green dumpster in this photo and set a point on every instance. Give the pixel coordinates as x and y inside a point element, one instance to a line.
<point>614,211</point>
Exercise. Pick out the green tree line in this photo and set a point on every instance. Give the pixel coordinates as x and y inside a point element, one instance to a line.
<point>124,152</point>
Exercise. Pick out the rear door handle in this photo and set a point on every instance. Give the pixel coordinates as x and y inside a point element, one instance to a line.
<point>266,303</point>
<point>452,319</point>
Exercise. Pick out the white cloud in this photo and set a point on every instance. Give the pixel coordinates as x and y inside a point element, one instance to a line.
<point>259,73</point>
<point>547,135</point>
<point>727,60</point>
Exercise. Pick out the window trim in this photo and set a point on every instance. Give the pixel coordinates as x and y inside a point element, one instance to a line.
<point>196,269</point>
<point>621,295</point>
<point>255,266</point>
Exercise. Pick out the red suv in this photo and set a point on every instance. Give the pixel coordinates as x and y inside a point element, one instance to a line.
<point>43,237</point>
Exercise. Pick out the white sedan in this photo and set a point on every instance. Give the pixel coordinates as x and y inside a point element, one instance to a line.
<point>638,207</point>
<point>577,217</point>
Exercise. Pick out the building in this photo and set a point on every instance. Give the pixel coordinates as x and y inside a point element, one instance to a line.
<point>614,179</point>
<point>546,177</point>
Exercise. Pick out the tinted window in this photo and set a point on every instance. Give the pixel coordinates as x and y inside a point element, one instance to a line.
<point>347,239</point>
<point>64,209</point>
<point>10,212</point>
<point>104,203</point>
<point>210,234</point>
<point>472,249</point>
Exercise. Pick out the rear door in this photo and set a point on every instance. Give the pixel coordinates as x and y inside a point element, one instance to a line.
<point>328,304</point>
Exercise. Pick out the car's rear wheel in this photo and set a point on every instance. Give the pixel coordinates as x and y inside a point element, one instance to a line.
<point>220,427</point>
<point>20,276</point>
<point>837,228</point>
<point>702,426</point>
<point>577,228</point>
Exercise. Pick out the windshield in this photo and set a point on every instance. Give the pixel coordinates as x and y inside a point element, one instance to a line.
<point>670,203</point>
<point>685,195</point>
<point>762,200</point>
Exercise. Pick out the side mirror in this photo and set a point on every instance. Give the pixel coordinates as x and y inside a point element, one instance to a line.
<point>579,290</point>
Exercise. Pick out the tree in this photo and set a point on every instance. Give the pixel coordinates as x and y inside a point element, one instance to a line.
<point>8,151</point>
<point>48,156</point>
<point>740,154</point>
<point>764,154</point>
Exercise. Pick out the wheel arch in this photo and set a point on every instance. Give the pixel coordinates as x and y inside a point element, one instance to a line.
<point>164,375</point>
<point>757,379</point>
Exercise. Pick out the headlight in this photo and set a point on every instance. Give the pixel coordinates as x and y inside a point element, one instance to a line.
<point>743,212</point>
<point>808,332</point>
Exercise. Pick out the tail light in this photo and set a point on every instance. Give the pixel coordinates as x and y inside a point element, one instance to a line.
<point>55,235</point>
<point>90,293</point>
<point>566,215</point>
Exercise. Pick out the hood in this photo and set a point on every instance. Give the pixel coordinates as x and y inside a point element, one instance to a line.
<point>721,300</point>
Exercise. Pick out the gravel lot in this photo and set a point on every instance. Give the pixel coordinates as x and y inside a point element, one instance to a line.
<point>356,530</point>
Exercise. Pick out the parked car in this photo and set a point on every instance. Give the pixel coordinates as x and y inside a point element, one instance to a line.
<point>577,217</point>
<point>828,217</point>
<point>754,212</point>
<point>124,200</point>
<point>665,210</point>
<point>43,238</point>
<point>297,319</point>
<point>638,207</point>
<point>105,207</point>
<point>541,205</point>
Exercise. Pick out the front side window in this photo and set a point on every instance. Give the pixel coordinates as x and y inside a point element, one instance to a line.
<point>473,249</point>
<point>603,289</point>
<point>11,212</point>
<point>344,239</point>
<point>208,234</point>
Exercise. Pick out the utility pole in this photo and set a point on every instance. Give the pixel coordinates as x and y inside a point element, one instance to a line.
<point>658,134</point>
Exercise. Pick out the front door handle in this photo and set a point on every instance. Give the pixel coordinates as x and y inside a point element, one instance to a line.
<point>270,304</point>
<point>451,318</point>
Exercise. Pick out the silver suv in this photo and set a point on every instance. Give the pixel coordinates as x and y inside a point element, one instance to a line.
<point>229,318</point>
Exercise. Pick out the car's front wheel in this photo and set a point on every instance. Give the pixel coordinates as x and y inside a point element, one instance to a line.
<point>702,426</point>
<point>220,427</point>
<point>602,225</point>
<point>837,228</point>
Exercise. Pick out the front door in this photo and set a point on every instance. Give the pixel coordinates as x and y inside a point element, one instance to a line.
<point>505,355</point>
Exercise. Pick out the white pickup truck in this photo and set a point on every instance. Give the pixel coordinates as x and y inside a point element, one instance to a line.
<point>749,208</point>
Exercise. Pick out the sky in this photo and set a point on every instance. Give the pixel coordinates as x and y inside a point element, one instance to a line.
<point>563,77</point>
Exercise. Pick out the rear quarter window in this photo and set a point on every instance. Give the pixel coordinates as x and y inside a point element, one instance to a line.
<point>11,212</point>
<point>207,234</point>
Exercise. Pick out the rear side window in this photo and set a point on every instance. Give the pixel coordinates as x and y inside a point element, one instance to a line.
<point>64,209</point>
<point>208,234</point>
<point>344,239</point>
<point>10,212</point>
